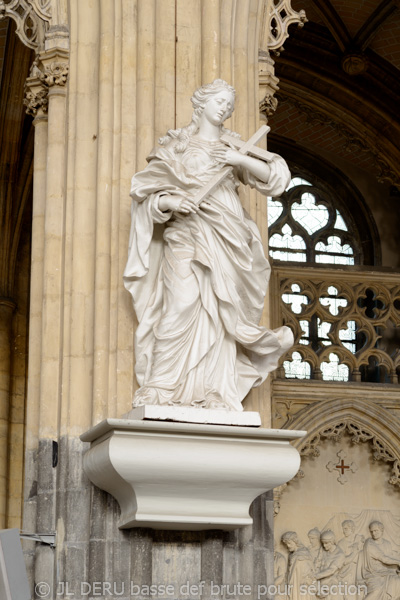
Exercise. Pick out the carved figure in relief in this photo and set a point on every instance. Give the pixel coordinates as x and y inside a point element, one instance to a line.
<point>332,559</point>
<point>197,273</point>
<point>300,570</point>
<point>351,545</point>
<point>314,536</point>
<point>378,566</point>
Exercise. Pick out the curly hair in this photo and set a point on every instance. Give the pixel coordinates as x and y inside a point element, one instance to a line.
<point>199,100</point>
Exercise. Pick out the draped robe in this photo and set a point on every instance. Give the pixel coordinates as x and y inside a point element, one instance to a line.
<point>198,283</point>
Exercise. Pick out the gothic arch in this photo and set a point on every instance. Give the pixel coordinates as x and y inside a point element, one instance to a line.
<point>362,419</point>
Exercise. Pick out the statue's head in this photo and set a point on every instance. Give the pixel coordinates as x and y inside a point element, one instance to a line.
<point>204,93</point>
<point>328,540</point>
<point>314,535</point>
<point>376,530</point>
<point>291,540</point>
<point>348,527</point>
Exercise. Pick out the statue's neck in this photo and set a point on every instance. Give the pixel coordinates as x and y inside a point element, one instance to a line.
<point>209,132</point>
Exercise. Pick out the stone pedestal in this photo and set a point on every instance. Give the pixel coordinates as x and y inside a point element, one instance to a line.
<point>187,476</point>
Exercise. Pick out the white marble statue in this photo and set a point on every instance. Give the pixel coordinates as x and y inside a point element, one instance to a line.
<point>197,273</point>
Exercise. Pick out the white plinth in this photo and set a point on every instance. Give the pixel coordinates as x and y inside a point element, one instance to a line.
<point>187,414</point>
<point>186,476</point>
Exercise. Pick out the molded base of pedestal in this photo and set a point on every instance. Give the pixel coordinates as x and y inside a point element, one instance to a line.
<point>186,476</point>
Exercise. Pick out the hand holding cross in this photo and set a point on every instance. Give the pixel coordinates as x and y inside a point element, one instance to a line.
<point>248,147</point>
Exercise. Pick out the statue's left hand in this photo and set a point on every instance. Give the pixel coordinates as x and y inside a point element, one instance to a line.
<point>228,156</point>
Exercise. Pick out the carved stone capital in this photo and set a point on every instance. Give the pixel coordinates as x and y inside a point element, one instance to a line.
<point>36,100</point>
<point>55,74</point>
<point>32,18</point>
<point>49,71</point>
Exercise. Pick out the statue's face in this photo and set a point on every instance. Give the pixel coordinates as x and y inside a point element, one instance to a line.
<point>219,107</point>
<point>376,532</point>
<point>314,540</point>
<point>328,544</point>
<point>347,529</point>
<point>291,545</point>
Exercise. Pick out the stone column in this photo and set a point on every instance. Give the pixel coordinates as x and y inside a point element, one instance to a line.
<point>7,307</point>
<point>36,100</point>
<point>46,99</point>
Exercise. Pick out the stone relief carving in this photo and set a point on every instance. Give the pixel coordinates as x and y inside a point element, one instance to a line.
<point>281,16</point>
<point>339,465</point>
<point>300,568</point>
<point>328,564</point>
<point>32,18</point>
<point>351,544</point>
<point>197,299</point>
<point>358,434</point>
<point>363,564</point>
<point>379,565</point>
<point>314,536</point>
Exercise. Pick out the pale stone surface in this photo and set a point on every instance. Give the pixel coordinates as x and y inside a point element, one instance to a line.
<point>186,414</point>
<point>196,269</point>
<point>187,476</point>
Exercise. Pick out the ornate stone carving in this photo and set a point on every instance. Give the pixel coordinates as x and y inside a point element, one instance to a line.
<point>361,419</point>
<point>48,70</point>
<point>55,74</point>
<point>358,434</point>
<point>355,63</point>
<point>339,465</point>
<point>300,567</point>
<point>268,105</point>
<point>360,563</point>
<point>353,142</point>
<point>32,18</point>
<point>281,16</point>
<point>377,564</point>
<point>358,314</point>
<point>36,100</point>
<point>329,564</point>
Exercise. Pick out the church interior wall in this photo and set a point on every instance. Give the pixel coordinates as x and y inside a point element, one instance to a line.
<point>133,65</point>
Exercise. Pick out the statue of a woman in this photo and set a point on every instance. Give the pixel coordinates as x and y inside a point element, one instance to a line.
<point>197,274</point>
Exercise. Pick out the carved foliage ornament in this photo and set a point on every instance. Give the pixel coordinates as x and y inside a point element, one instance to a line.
<point>32,18</point>
<point>281,16</point>
<point>358,433</point>
<point>42,77</point>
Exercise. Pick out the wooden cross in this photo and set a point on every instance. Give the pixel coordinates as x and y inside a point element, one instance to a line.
<point>341,467</point>
<point>248,147</point>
